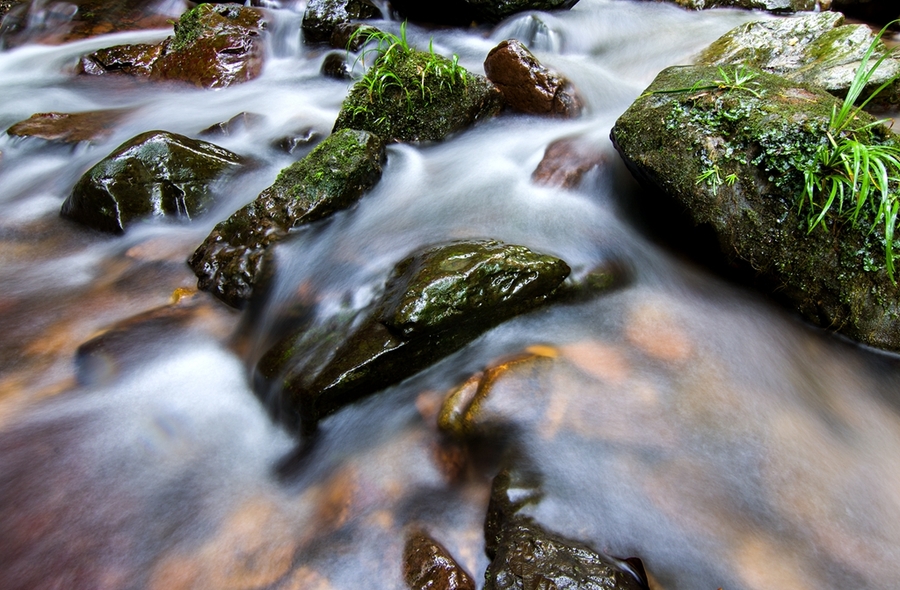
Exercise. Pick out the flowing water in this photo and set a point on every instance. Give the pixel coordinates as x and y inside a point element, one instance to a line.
<point>677,418</point>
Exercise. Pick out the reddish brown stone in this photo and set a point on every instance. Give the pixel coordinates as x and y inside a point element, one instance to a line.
<point>526,85</point>
<point>566,161</point>
<point>428,566</point>
<point>69,127</point>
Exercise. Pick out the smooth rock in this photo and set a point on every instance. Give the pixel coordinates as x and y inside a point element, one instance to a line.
<point>330,178</point>
<point>429,566</point>
<point>155,174</point>
<point>817,49</point>
<point>566,161</point>
<point>69,127</point>
<point>323,16</point>
<point>833,276</point>
<point>526,85</point>
<point>131,60</point>
<point>239,123</point>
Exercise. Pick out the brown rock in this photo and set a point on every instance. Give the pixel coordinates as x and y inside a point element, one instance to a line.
<point>528,86</point>
<point>69,127</point>
<point>565,163</point>
<point>428,566</point>
<point>131,60</point>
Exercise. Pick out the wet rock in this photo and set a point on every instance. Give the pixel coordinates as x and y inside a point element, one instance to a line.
<point>526,85</point>
<point>425,97</point>
<point>776,6</point>
<point>154,174</point>
<point>350,36</point>
<point>237,124</point>
<point>464,12</point>
<point>566,161</point>
<point>215,45</point>
<point>733,161</point>
<point>323,16</point>
<point>69,127</point>
<point>335,65</point>
<point>428,566</point>
<point>435,301</point>
<point>298,140</point>
<point>330,178</point>
<point>817,49</point>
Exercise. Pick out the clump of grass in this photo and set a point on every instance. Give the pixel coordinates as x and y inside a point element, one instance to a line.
<point>855,172</point>
<point>741,79</point>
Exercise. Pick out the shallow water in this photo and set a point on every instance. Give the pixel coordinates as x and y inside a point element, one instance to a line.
<point>678,418</point>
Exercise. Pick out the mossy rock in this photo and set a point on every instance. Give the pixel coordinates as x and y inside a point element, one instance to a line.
<point>817,49</point>
<point>155,174</point>
<point>417,103</point>
<point>435,301</point>
<point>332,177</point>
<point>757,146</point>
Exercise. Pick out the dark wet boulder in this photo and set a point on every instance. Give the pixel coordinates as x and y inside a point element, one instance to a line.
<point>463,12</point>
<point>330,178</point>
<point>335,65</point>
<point>69,127</point>
<point>417,96</point>
<point>528,86</point>
<point>817,49</point>
<point>429,566</point>
<point>323,16</point>
<point>775,6</point>
<point>155,174</point>
<point>435,301</point>
<point>733,159</point>
<point>215,45</point>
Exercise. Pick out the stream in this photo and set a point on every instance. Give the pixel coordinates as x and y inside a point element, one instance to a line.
<point>677,418</point>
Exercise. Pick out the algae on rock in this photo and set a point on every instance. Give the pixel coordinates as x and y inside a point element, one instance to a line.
<point>761,141</point>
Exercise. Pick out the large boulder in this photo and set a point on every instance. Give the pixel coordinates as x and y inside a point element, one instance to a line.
<point>333,176</point>
<point>435,301</point>
<point>155,174</point>
<point>322,17</point>
<point>817,49</point>
<point>463,12</point>
<point>215,45</point>
<point>411,95</point>
<point>527,85</point>
<point>733,157</point>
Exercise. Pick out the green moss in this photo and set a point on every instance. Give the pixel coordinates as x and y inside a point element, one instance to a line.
<point>188,27</point>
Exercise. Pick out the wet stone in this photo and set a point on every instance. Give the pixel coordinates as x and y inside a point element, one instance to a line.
<point>237,124</point>
<point>566,161</point>
<point>332,177</point>
<point>131,60</point>
<point>435,301</point>
<point>69,127</point>
<point>335,66</point>
<point>322,17</point>
<point>155,174</point>
<point>526,85</point>
<point>428,566</point>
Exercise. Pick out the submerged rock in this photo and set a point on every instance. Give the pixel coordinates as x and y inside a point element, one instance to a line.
<point>331,177</point>
<point>776,6</point>
<point>435,301</point>
<point>817,49</point>
<point>322,17</point>
<point>214,46</point>
<point>428,566</point>
<point>732,157</point>
<point>417,96</point>
<point>566,161</point>
<point>154,174</point>
<point>69,127</point>
<point>526,85</point>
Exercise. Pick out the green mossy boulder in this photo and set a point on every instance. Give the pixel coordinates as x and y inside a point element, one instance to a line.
<point>427,98</point>
<point>332,177</point>
<point>817,49</point>
<point>435,301</point>
<point>322,17</point>
<point>733,161</point>
<point>215,45</point>
<point>154,174</point>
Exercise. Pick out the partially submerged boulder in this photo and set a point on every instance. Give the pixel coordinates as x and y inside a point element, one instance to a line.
<point>322,17</point>
<point>69,127</point>
<point>817,49</point>
<point>154,174</point>
<point>414,95</point>
<point>435,301</point>
<point>331,177</point>
<point>215,45</point>
<point>732,157</point>
<point>527,85</point>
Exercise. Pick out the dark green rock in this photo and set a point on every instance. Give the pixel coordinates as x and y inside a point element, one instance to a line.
<point>429,566</point>
<point>776,6</point>
<point>435,301</point>
<point>154,174</point>
<point>834,275</point>
<point>817,49</point>
<point>420,105</point>
<point>330,178</point>
<point>322,17</point>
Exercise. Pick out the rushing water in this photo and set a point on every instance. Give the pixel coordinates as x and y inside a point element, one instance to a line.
<point>677,419</point>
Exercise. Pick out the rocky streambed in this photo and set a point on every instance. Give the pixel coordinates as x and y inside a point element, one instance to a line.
<point>336,294</point>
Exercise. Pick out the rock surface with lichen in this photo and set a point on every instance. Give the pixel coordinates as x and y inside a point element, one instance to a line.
<point>412,95</point>
<point>817,49</point>
<point>732,157</point>
<point>332,177</point>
